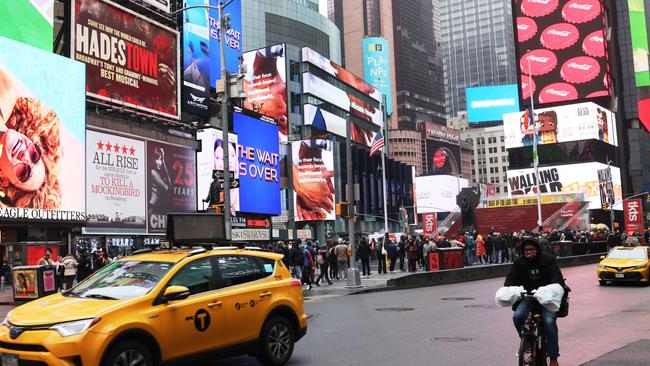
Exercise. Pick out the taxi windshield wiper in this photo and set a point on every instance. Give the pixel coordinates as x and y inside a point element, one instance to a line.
<point>100,296</point>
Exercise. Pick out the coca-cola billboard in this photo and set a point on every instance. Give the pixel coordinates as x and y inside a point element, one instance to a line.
<point>633,216</point>
<point>561,49</point>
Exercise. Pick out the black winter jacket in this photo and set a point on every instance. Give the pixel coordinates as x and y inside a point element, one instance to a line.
<point>533,274</point>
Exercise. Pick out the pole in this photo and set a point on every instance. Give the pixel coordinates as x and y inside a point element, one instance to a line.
<point>225,125</point>
<point>611,203</point>
<point>354,279</point>
<point>535,157</point>
<point>383,165</point>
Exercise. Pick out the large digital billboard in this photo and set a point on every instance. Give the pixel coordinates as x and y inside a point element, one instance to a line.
<point>42,135</point>
<point>336,70</point>
<point>210,158</point>
<point>259,165</point>
<point>490,103</point>
<point>442,149</point>
<point>130,60</point>
<point>321,89</point>
<point>196,59</point>
<point>233,40</point>
<point>437,193</point>
<point>115,184</point>
<point>326,121</point>
<point>639,34</point>
<point>376,67</point>
<point>265,85</point>
<point>565,123</point>
<point>571,178</point>
<point>163,5</point>
<point>171,183</point>
<point>561,50</point>
<point>313,180</point>
<point>28,21</point>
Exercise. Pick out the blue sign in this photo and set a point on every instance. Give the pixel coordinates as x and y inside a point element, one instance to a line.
<point>233,40</point>
<point>259,165</point>
<point>376,67</point>
<point>196,59</point>
<point>490,103</point>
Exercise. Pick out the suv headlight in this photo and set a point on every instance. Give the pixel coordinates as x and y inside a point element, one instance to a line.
<point>640,266</point>
<point>5,322</point>
<point>75,327</point>
<point>602,266</point>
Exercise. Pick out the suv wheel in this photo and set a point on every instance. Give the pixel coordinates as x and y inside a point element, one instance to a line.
<point>278,339</point>
<point>129,353</point>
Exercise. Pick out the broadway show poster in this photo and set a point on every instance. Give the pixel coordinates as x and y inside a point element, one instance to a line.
<point>265,85</point>
<point>130,60</point>
<point>28,21</point>
<point>313,180</point>
<point>25,285</point>
<point>42,135</point>
<point>196,59</point>
<point>210,158</point>
<point>170,181</point>
<point>115,184</point>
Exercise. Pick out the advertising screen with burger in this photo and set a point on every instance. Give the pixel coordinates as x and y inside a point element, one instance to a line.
<point>42,135</point>
<point>561,50</point>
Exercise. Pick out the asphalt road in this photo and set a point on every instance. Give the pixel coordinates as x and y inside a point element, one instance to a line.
<point>460,325</point>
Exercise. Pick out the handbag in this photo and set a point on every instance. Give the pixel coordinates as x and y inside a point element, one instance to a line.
<point>563,311</point>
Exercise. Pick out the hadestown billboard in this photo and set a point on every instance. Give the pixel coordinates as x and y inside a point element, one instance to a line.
<point>559,179</point>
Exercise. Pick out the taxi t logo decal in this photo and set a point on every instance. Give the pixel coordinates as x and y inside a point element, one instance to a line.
<point>201,320</point>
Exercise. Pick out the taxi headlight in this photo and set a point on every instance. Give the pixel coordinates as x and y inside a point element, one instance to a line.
<point>602,266</point>
<point>74,327</point>
<point>640,266</point>
<point>5,322</point>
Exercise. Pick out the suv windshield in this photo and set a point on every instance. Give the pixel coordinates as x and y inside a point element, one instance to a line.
<point>122,280</point>
<point>636,253</point>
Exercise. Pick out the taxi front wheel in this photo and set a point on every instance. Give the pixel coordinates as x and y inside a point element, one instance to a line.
<point>278,338</point>
<point>129,353</point>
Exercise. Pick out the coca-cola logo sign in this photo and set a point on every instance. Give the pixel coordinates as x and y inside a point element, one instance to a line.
<point>526,28</point>
<point>539,8</point>
<point>558,92</point>
<point>560,36</point>
<point>594,44</point>
<point>581,11</point>
<point>538,62</point>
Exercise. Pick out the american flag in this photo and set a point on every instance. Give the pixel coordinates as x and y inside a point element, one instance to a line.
<point>377,144</point>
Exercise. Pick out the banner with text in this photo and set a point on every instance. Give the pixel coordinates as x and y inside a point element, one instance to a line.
<point>633,212</point>
<point>130,60</point>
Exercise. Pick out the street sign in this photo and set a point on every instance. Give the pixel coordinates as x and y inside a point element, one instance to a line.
<point>219,174</point>
<point>234,183</point>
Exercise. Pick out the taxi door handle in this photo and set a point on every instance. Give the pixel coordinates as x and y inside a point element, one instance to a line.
<point>216,304</point>
<point>265,294</point>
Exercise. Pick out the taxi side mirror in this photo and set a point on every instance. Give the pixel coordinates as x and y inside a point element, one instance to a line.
<point>173,293</point>
<point>602,257</point>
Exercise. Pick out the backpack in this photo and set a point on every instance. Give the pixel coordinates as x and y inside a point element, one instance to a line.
<point>564,304</point>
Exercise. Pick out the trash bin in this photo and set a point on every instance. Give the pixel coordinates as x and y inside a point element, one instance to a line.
<point>446,258</point>
<point>33,282</point>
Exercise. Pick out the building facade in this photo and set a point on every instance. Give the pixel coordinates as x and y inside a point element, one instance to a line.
<point>489,159</point>
<point>478,47</point>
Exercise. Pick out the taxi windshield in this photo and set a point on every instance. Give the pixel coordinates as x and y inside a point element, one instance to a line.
<point>122,280</point>
<point>635,253</point>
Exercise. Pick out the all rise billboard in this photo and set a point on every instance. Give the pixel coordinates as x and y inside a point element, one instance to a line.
<point>490,103</point>
<point>130,60</point>
<point>196,59</point>
<point>171,183</point>
<point>565,123</point>
<point>28,21</point>
<point>376,67</point>
<point>561,50</point>
<point>115,184</point>
<point>265,85</point>
<point>42,135</point>
<point>313,180</point>
<point>571,178</point>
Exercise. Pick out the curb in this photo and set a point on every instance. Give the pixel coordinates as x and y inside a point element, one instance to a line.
<point>446,277</point>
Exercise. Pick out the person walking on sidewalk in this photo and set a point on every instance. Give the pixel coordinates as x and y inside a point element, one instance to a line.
<point>381,252</point>
<point>308,266</point>
<point>364,254</point>
<point>333,262</point>
<point>412,255</point>
<point>69,270</point>
<point>324,264</point>
<point>341,251</point>
<point>471,249</point>
<point>392,254</point>
<point>297,261</point>
<point>402,252</point>
<point>480,249</point>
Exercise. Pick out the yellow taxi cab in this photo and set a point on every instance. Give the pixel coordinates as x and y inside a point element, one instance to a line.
<point>625,264</point>
<point>156,307</point>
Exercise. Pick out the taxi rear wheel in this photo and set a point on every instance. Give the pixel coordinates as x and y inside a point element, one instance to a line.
<point>278,339</point>
<point>129,353</point>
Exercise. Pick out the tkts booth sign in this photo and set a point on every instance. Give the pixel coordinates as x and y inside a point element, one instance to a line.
<point>633,216</point>
<point>429,224</point>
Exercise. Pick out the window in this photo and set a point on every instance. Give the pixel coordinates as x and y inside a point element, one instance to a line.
<point>198,276</point>
<point>236,269</point>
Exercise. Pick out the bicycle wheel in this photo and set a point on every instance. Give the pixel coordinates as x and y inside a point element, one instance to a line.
<point>528,351</point>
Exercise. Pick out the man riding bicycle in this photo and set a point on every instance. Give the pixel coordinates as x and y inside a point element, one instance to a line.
<point>533,270</point>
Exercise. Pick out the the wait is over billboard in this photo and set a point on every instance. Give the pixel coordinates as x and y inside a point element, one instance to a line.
<point>130,60</point>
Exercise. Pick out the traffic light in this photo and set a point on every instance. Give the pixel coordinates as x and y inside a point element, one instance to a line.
<point>343,209</point>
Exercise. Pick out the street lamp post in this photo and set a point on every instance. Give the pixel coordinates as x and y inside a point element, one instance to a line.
<point>611,204</point>
<point>354,279</point>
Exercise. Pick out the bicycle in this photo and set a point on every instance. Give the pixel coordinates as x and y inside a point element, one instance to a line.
<point>532,348</point>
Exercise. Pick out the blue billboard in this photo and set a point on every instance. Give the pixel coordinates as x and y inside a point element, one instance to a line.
<point>259,165</point>
<point>376,67</point>
<point>196,59</point>
<point>233,40</point>
<point>490,103</point>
